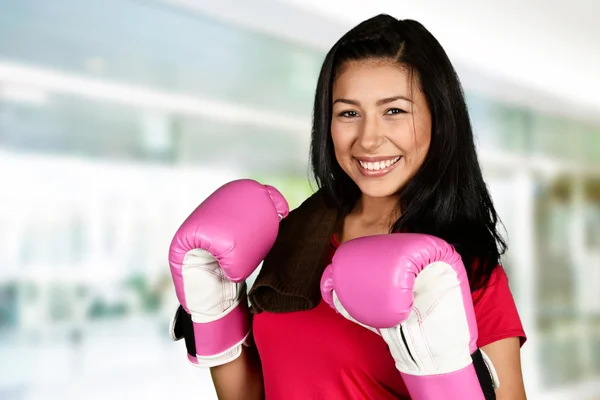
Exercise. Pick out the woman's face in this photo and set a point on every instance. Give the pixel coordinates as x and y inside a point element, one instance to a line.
<point>380,126</point>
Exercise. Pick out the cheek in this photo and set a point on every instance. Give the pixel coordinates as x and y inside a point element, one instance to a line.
<point>421,146</point>
<point>415,143</point>
<point>342,141</point>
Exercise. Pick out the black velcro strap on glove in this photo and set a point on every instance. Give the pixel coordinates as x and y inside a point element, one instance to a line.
<point>183,328</point>
<point>483,374</point>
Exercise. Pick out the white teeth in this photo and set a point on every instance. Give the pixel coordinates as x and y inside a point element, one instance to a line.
<point>375,166</point>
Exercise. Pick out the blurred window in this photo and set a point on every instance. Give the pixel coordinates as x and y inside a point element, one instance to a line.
<point>137,92</point>
<point>149,43</point>
<point>499,126</point>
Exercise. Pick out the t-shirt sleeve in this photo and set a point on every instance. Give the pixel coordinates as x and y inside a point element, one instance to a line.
<point>496,312</point>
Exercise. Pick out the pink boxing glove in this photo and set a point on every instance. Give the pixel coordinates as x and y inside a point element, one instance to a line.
<point>412,289</point>
<point>214,251</point>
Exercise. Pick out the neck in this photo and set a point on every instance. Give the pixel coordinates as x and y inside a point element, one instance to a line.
<point>377,210</point>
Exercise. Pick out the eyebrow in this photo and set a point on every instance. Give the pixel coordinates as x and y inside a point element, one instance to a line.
<point>379,102</point>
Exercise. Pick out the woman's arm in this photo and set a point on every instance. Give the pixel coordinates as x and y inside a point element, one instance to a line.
<point>506,358</point>
<point>240,379</point>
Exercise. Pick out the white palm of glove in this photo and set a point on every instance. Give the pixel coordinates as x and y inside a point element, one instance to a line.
<point>210,295</point>
<point>435,338</point>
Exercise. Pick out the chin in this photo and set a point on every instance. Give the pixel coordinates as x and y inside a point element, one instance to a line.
<point>376,189</point>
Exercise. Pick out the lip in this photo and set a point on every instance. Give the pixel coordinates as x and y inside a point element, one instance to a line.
<point>376,159</point>
<point>375,173</point>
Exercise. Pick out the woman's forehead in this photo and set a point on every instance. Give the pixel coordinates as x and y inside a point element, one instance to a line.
<point>374,80</point>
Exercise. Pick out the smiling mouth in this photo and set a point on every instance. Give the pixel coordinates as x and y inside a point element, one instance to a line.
<point>378,165</point>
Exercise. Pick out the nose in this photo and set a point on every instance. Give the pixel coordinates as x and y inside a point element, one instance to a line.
<point>370,136</point>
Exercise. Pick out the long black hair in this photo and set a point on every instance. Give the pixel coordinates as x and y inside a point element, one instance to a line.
<point>447,197</point>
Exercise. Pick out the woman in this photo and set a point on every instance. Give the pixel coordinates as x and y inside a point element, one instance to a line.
<point>392,151</point>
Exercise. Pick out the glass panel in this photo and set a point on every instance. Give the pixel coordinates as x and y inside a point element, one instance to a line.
<point>554,214</point>
<point>66,125</point>
<point>591,144</point>
<point>498,126</point>
<point>568,278</point>
<point>556,137</point>
<point>166,48</point>
<point>254,149</point>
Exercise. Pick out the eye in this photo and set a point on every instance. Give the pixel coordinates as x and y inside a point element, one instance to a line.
<point>348,114</point>
<point>394,111</point>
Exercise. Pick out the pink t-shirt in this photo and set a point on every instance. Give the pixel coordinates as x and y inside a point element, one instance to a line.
<point>318,354</point>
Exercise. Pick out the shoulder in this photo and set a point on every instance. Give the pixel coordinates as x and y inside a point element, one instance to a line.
<point>498,281</point>
<point>312,222</point>
<point>313,206</point>
<point>496,310</point>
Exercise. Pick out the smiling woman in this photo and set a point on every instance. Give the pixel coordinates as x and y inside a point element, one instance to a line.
<point>400,239</point>
<point>374,129</point>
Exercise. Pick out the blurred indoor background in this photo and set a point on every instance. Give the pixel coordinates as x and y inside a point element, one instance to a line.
<point>117,117</point>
